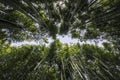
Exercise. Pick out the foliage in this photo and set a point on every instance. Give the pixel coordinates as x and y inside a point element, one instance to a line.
<point>41,19</point>
<point>100,18</point>
<point>59,62</point>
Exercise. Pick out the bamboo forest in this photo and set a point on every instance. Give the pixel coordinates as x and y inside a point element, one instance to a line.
<point>59,39</point>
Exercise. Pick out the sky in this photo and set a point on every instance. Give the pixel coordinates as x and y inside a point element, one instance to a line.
<point>65,40</point>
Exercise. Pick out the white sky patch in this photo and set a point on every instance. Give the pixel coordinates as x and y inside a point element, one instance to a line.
<point>24,43</point>
<point>67,39</point>
<point>64,39</point>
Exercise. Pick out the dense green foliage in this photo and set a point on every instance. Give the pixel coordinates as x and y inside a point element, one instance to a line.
<point>59,62</point>
<point>41,19</point>
<point>34,18</point>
